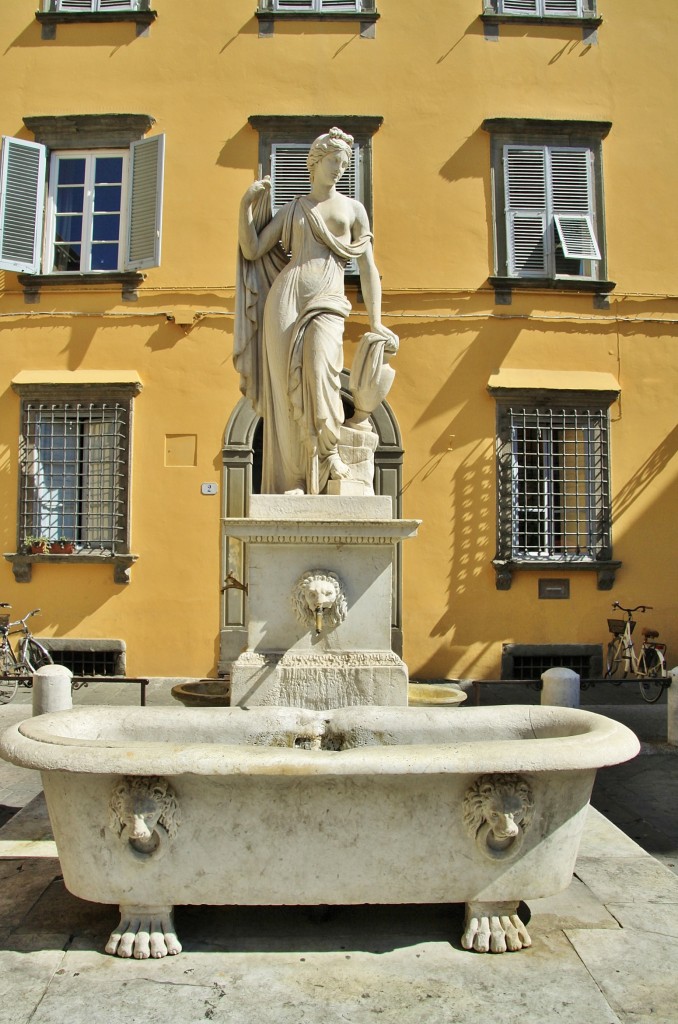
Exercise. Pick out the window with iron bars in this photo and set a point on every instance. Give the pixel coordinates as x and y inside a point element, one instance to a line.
<point>74,458</point>
<point>553,483</point>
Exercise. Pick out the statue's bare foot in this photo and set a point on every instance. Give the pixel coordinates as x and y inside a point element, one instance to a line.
<point>338,468</point>
<point>494,928</point>
<point>144,932</point>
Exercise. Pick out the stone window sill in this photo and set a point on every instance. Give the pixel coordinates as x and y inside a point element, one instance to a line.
<point>130,280</point>
<point>50,19</point>
<point>503,287</point>
<point>22,565</point>
<point>505,568</point>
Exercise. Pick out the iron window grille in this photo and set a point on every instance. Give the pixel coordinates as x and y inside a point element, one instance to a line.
<point>530,661</point>
<point>553,477</point>
<point>74,457</point>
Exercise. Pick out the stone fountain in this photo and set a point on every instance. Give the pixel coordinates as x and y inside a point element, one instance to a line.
<point>318,784</point>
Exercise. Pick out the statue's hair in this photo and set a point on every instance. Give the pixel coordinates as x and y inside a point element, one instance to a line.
<point>324,144</point>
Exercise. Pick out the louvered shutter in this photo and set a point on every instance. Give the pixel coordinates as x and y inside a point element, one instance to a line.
<point>294,5</point>
<point>572,201</point>
<point>96,5</point>
<point>145,203</point>
<point>518,7</point>
<point>562,8</point>
<point>22,201</point>
<point>526,210</point>
<point>340,6</point>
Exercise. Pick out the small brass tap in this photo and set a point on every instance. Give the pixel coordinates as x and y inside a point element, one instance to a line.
<point>231,583</point>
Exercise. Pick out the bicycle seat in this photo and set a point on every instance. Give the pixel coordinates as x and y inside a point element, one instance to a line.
<point>650,634</point>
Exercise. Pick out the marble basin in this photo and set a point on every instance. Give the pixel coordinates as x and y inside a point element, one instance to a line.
<point>154,807</point>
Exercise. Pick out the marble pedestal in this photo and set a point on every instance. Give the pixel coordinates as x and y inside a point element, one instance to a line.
<point>344,655</point>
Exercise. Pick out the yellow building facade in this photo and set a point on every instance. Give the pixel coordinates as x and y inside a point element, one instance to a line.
<point>517,160</point>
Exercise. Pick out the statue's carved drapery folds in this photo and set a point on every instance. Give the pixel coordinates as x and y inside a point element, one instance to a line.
<point>290,314</point>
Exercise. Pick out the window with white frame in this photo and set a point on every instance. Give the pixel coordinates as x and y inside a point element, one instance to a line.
<point>93,6</point>
<point>316,6</point>
<point>86,211</point>
<point>553,471</point>
<point>74,462</point>
<point>548,205</point>
<point>541,9</point>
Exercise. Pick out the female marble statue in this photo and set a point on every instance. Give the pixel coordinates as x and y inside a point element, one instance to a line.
<point>290,317</point>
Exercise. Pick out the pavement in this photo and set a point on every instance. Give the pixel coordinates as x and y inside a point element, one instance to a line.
<point>604,952</point>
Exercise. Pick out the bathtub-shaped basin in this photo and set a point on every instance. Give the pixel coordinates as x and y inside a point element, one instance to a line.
<point>153,807</point>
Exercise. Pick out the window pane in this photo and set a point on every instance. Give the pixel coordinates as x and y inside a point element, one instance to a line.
<point>108,170</point>
<point>70,199</point>
<point>106,228</point>
<point>104,256</point>
<point>107,197</point>
<point>69,229</point>
<point>67,257</point>
<point>71,171</point>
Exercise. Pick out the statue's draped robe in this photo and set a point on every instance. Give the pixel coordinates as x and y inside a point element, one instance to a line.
<point>288,344</point>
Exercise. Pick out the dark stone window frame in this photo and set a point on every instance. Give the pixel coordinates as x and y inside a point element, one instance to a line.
<point>306,128</point>
<point>505,131</point>
<point>122,560</point>
<point>50,19</point>
<point>367,17</point>
<point>504,563</point>
<point>86,131</point>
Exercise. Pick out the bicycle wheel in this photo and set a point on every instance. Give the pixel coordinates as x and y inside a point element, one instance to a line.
<point>615,664</point>
<point>34,654</point>
<point>8,681</point>
<point>652,686</point>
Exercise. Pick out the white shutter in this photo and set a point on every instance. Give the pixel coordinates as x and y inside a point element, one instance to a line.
<point>145,203</point>
<point>575,231</point>
<point>526,218</point>
<point>117,5</point>
<point>339,5</point>
<point>571,176</point>
<point>562,8</point>
<point>22,201</point>
<point>293,5</point>
<point>75,5</point>
<point>518,7</point>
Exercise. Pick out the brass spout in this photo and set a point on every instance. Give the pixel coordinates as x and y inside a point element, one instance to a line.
<point>318,620</point>
<point>231,583</point>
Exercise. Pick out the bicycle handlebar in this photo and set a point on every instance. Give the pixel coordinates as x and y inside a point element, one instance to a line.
<point>638,608</point>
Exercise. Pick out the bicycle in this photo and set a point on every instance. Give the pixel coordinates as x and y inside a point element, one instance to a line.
<point>18,667</point>
<point>648,667</point>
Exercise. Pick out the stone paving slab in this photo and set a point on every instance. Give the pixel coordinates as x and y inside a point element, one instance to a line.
<point>635,972</point>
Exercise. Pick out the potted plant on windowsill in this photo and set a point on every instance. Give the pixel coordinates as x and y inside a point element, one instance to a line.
<point>62,546</point>
<point>37,545</point>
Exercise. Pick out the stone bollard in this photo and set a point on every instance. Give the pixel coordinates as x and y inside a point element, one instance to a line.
<point>561,688</point>
<point>672,708</point>
<point>52,689</point>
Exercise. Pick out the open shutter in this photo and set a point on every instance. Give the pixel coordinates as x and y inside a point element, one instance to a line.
<point>117,5</point>
<point>145,203</point>
<point>526,218</point>
<point>22,202</point>
<point>75,6</point>
<point>519,7</point>
<point>572,198</point>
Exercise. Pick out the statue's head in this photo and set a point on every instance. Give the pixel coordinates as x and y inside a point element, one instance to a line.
<point>334,140</point>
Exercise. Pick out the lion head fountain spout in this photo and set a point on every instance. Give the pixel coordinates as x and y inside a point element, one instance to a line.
<point>318,599</point>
